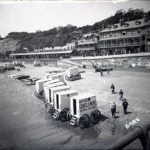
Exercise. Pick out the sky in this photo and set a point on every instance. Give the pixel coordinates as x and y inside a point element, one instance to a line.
<point>27,16</point>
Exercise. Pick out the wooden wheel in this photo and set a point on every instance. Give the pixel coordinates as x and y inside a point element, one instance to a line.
<point>95,116</point>
<point>84,121</point>
<point>63,115</point>
<point>51,109</point>
<point>79,76</point>
<point>67,78</point>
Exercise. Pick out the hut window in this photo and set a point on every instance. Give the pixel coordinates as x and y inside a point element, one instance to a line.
<point>68,95</point>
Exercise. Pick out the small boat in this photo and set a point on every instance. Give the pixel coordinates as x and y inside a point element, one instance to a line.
<point>23,77</point>
<point>31,81</point>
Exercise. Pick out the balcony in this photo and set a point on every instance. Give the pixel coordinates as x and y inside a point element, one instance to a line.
<point>119,45</point>
<point>85,48</point>
<point>120,37</point>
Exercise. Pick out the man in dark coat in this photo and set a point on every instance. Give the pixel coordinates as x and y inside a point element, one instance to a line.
<point>125,106</point>
<point>101,72</point>
<point>121,94</point>
<point>113,88</point>
<point>113,111</point>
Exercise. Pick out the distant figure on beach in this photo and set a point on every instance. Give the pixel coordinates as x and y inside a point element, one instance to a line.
<point>113,88</point>
<point>108,71</point>
<point>101,72</point>
<point>113,110</point>
<point>121,94</point>
<point>125,106</point>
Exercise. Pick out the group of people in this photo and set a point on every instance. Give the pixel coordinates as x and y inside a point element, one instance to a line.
<point>124,102</point>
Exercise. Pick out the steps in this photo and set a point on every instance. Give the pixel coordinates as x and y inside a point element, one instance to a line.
<point>56,114</point>
<point>73,121</point>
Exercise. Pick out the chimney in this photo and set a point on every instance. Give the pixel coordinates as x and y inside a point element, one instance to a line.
<point>145,17</point>
<point>121,22</point>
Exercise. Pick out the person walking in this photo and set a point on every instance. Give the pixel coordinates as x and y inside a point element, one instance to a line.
<point>101,72</point>
<point>121,94</point>
<point>113,110</point>
<point>125,106</point>
<point>113,88</point>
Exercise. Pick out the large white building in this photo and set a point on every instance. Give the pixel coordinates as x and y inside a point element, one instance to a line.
<point>125,38</point>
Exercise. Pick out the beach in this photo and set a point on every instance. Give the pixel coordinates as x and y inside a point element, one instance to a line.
<point>25,123</point>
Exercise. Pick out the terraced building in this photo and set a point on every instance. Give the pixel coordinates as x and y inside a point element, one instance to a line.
<point>125,38</point>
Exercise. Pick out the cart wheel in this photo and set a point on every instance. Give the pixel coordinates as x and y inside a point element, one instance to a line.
<point>84,121</point>
<point>51,109</point>
<point>79,76</point>
<point>36,94</point>
<point>71,78</point>
<point>69,116</point>
<point>95,116</point>
<point>67,78</point>
<point>63,114</point>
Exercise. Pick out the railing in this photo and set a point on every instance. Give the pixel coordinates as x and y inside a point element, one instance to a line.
<point>119,45</point>
<point>85,48</point>
<point>139,132</point>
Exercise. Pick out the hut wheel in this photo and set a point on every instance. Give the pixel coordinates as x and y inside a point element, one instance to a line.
<point>84,121</point>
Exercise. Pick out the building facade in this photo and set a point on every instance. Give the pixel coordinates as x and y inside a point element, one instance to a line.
<point>87,44</point>
<point>125,38</point>
<point>42,55</point>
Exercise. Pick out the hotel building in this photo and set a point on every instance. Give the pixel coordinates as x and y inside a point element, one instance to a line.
<point>125,38</point>
<point>87,44</point>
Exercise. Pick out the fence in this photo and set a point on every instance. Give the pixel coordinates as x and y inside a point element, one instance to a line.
<point>139,132</point>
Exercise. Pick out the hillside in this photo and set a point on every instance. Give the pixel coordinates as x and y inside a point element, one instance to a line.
<point>59,36</point>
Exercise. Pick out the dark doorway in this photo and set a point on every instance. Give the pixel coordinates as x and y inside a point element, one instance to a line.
<point>57,101</point>
<point>74,107</point>
<point>50,95</point>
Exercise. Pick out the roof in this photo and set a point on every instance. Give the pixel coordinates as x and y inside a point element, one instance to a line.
<point>127,25</point>
<point>52,81</point>
<point>67,92</point>
<point>84,96</point>
<point>55,84</point>
<point>43,80</point>
<point>40,53</point>
<point>57,74</point>
<point>60,87</point>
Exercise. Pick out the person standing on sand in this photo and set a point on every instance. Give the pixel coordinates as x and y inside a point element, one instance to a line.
<point>113,110</point>
<point>125,106</point>
<point>101,72</point>
<point>113,88</point>
<point>121,94</point>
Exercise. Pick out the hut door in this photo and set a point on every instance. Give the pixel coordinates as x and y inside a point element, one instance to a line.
<point>74,107</point>
<point>57,101</point>
<point>50,95</point>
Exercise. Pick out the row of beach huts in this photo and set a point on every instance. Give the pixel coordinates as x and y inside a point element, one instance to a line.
<point>63,102</point>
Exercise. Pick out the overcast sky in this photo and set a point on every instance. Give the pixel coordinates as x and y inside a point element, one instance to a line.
<point>32,16</point>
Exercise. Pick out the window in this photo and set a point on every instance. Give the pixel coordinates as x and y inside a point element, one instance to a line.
<point>89,99</point>
<point>124,33</point>
<point>139,31</point>
<point>137,22</point>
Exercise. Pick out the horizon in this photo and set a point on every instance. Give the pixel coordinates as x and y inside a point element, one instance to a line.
<point>33,16</point>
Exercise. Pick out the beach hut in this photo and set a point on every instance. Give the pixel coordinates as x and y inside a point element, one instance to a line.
<point>52,92</point>
<point>72,74</point>
<point>83,110</point>
<point>39,86</point>
<point>62,104</point>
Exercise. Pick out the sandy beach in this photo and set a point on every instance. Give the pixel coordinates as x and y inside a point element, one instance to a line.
<point>25,124</point>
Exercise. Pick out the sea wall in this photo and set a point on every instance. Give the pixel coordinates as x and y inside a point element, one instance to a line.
<point>141,60</point>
